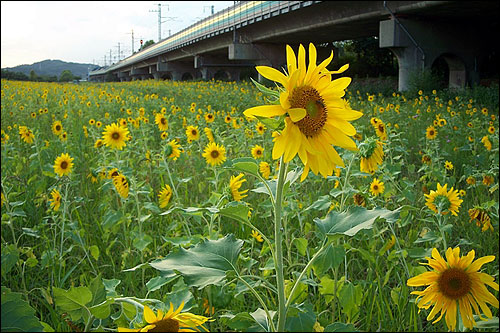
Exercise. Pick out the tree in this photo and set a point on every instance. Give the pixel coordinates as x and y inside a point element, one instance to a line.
<point>33,76</point>
<point>146,44</point>
<point>66,76</point>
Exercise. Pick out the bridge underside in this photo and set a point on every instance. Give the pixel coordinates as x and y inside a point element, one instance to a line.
<point>419,33</point>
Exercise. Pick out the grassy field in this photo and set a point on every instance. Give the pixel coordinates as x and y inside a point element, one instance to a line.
<point>146,212</point>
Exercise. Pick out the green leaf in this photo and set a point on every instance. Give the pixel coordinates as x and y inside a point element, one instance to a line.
<point>10,255</point>
<point>300,293</point>
<point>110,286</point>
<point>350,297</point>
<point>260,318</point>
<point>265,90</point>
<point>17,314</point>
<point>239,322</point>
<point>353,220</point>
<point>301,318</point>
<point>275,124</point>
<point>301,245</point>
<point>158,282</point>
<point>183,240</point>
<point>181,294</point>
<point>94,251</point>
<point>236,210</point>
<point>244,164</point>
<point>140,243</point>
<point>322,203</point>
<point>102,310</point>
<point>206,263</point>
<point>73,301</point>
<point>331,257</point>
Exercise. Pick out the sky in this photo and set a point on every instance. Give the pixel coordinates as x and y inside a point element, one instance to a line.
<point>86,31</point>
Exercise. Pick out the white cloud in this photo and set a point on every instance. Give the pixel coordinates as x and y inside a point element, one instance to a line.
<point>85,31</point>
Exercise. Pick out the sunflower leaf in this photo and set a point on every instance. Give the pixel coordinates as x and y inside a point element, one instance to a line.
<point>265,90</point>
<point>353,220</point>
<point>244,164</point>
<point>17,314</point>
<point>205,264</point>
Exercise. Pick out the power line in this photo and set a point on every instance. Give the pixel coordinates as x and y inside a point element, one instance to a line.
<point>160,17</point>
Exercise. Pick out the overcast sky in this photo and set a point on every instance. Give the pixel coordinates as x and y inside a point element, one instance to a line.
<point>86,31</point>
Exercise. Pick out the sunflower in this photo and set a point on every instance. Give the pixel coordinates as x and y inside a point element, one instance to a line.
<point>63,164</point>
<point>5,137</point>
<point>172,321</point>
<point>255,234</point>
<point>164,135</point>
<point>234,186</point>
<point>448,165</point>
<point>55,201</point>
<point>98,124</point>
<point>481,217</point>
<point>173,150</point>
<point>260,128</point>
<point>209,134</point>
<point>214,154</point>
<point>491,130</point>
<point>26,134</point>
<point>488,180</point>
<point>359,200</point>
<point>487,143</point>
<point>265,169</point>
<point>114,136</point>
<point>113,173</point>
<point>57,127</point>
<point>471,180</point>
<point>227,119</point>
<point>91,121</point>
<point>257,151</point>
<point>442,122</point>
<point>161,121</point>
<point>192,133</point>
<point>164,196</point>
<point>372,155</point>
<point>446,201</point>
<point>98,143</point>
<point>430,133</point>
<point>455,284</point>
<point>426,159</point>
<point>316,115</point>
<point>121,185</point>
<point>380,130</point>
<point>209,117</point>
<point>377,187</point>
<point>63,136</point>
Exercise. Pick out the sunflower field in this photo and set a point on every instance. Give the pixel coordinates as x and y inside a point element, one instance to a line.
<point>309,205</point>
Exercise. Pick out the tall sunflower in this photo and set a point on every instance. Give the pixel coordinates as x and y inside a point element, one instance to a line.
<point>63,164</point>
<point>257,151</point>
<point>447,201</point>
<point>57,127</point>
<point>164,196</point>
<point>26,134</point>
<point>430,133</point>
<point>115,135</point>
<point>214,154</point>
<point>192,133</point>
<point>455,284</point>
<point>260,128</point>
<point>121,185</point>
<point>372,155</point>
<point>173,150</point>
<point>265,169</point>
<point>172,321</point>
<point>234,186</point>
<point>209,134</point>
<point>55,201</point>
<point>316,115</point>
<point>377,187</point>
<point>161,121</point>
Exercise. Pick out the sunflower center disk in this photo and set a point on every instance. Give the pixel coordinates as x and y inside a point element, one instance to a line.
<point>166,325</point>
<point>454,283</point>
<point>64,165</point>
<point>308,98</point>
<point>214,153</point>
<point>115,135</point>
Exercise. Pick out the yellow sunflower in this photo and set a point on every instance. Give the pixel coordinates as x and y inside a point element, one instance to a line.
<point>121,185</point>
<point>446,201</point>
<point>164,196</point>
<point>209,117</point>
<point>257,151</point>
<point>26,134</point>
<point>316,115</point>
<point>488,180</point>
<point>114,136</point>
<point>172,321</point>
<point>173,150</point>
<point>192,133</point>
<point>448,165</point>
<point>55,201</point>
<point>57,127</point>
<point>381,131</point>
<point>234,186</point>
<point>161,121</point>
<point>255,234</point>
<point>372,155</point>
<point>491,129</point>
<point>265,169</point>
<point>481,217</point>
<point>260,128</point>
<point>377,187</point>
<point>63,164</point>
<point>431,133</point>
<point>214,154</point>
<point>227,119</point>
<point>209,134</point>
<point>98,143</point>
<point>487,143</point>
<point>471,180</point>
<point>455,284</point>
<point>163,135</point>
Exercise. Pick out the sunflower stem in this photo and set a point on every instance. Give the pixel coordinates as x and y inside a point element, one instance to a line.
<point>279,251</point>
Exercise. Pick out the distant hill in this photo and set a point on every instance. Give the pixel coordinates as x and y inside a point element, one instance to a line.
<point>54,67</point>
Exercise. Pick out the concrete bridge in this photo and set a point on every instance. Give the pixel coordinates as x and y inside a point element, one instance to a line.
<point>254,33</point>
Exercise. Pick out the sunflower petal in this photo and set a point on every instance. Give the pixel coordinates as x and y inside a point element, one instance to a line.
<point>297,114</point>
<point>291,60</point>
<point>272,74</point>
<point>264,111</point>
<point>149,315</point>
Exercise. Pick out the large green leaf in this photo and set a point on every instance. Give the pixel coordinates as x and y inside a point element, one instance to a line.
<point>17,314</point>
<point>244,164</point>
<point>353,220</point>
<point>206,263</point>
<point>300,318</point>
<point>10,255</point>
<point>73,301</point>
<point>236,210</point>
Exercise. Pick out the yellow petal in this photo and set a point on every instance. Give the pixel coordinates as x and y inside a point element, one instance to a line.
<point>341,70</point>
<point>476,265</point>
<point>297,114</point>
<point>302,64</point>
<point>284,102</point>
<point>264,111</point>
<point>291,60</point>
<point>340,139</point>
<point>272,74</point>
<point>149,315</point>
<point>312,63</point>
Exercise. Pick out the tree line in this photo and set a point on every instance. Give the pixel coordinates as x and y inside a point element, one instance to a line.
<point>66,76</point>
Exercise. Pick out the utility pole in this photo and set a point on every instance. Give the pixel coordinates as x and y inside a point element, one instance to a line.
<point>132,41</point>
<point>104,60</point>
<point>110,58</point>
<point>160,17</point>
<point>119,51</point>
<point>211,7</point>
